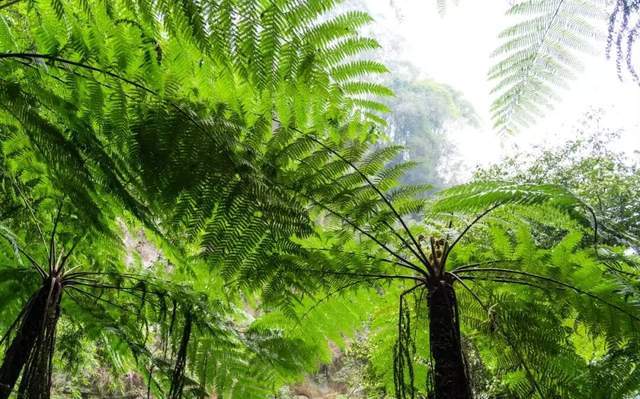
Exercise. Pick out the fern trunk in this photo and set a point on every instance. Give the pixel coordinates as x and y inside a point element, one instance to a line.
<point>35,332</point>
<point>450,376</point>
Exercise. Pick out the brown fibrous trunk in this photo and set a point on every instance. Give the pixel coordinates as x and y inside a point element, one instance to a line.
<point>450,375</point>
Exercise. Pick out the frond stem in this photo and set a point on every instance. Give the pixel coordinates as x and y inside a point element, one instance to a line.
<point>554,281</point>
<point>462,234</point>
<point>35,264</point>
<point>504,335</point>
<point>403,262</point>
<point>373,186</point>
<point>354,274</point>
<point>490,262</point>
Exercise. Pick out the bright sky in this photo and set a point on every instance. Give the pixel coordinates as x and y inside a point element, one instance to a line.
<point>455,49</point>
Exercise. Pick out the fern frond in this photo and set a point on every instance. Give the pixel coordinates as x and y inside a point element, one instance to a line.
<point>622,34</point>
<point>483,195</point>
<point>538,55</point>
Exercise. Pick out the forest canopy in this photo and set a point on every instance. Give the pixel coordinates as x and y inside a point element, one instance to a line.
<point>245,199</point>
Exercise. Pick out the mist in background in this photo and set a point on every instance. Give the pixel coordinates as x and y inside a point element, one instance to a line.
<point>439,67</point>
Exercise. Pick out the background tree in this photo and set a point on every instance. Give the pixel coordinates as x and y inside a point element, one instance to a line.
<point>606,179</point>
<point>421,114</point>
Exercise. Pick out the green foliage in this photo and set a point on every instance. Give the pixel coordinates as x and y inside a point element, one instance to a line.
<point>533,332</point>
<point>536,294</point>
<point>94,93</point>
<point>135,316</point>
<point>538,55</point>
<point>108,60</point>
<point>606,180</point>
<point>238,135</point>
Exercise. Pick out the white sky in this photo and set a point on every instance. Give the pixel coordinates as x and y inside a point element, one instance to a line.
<point>455,49</point>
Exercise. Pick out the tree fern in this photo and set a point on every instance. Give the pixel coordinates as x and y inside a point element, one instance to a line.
<point>540,53</point>
<point>123,84</point>
<point>533,360</point>
<point>144,315</point>
<point>238,133</point>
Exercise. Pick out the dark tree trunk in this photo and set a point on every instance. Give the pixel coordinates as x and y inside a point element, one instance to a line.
<point>18,352</point>
<point>451,380</point>
<point>177,380</point>
<point>43,310</point>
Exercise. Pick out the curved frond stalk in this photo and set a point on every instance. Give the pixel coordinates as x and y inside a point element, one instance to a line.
<point>552,281</point>
<point>421,256</point>
<point>178,378</point>
<point>450,248</point>
<point>402,260</point>
<point>505,335</point>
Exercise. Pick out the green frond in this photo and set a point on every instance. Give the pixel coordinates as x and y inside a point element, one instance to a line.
<point>483,195</point>
<point>539,55</point>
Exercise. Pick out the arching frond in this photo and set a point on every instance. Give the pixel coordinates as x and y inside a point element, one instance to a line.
<point>538,55</point>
